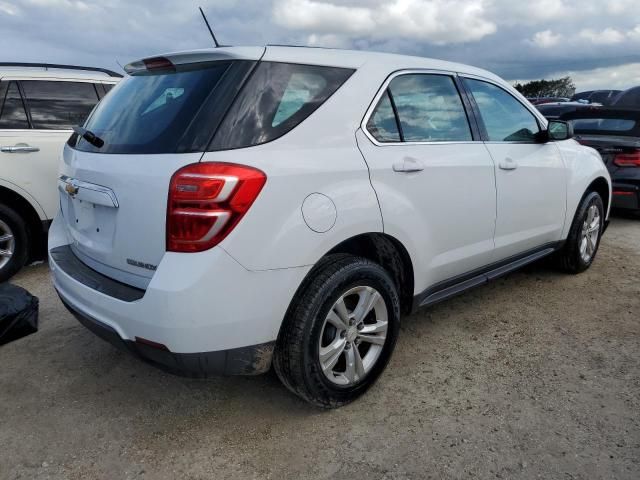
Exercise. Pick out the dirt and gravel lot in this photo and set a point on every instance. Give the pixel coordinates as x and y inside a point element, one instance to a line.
<point>534,376</point>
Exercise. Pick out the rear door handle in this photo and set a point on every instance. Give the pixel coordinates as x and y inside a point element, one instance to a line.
<point>408,165</point>
<point>508,164</point>
<point>19,148</point>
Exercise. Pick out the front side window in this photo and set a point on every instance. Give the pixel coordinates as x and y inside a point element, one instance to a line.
<point>429,109</point>
<point>505,118</point>
<point>382,123</point>
<point>58,105</point>
<point>12,113</point>
<point>277,98</point>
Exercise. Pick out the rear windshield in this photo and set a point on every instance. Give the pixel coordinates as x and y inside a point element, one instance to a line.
<point>165,112</point>
<point>602,125</point>
<point>605,121</point>
<point>220,106</point>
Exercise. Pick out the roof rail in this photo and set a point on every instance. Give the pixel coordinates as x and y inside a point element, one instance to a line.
<point>55,65</point>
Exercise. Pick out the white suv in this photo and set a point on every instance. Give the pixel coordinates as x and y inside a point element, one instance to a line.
<point>39,104</point>
<point>225,210</point>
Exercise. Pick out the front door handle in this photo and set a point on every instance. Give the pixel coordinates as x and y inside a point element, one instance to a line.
<point>19,148</point>
<point>508,164</point>
<point>408,165</point>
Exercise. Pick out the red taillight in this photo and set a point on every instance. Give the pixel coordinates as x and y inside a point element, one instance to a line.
<point>631,159</point>
<point>206,201</point>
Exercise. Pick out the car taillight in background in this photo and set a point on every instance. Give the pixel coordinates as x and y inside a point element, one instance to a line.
<point>630,159</point>
<point>206,201</point>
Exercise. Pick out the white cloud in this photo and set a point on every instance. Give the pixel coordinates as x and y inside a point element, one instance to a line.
<point>8,9</point>
<point>509,12</point>
<point>546,39</point>
<point>608,36</point>
<point>434,21</point>
<point>635,33</point>
<point>619,77</point>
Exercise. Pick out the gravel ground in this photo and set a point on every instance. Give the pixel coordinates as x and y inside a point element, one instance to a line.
<point>534,376</point>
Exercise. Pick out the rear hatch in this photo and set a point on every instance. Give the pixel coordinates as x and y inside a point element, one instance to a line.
<point>614,132</point>
<point>161,117</point>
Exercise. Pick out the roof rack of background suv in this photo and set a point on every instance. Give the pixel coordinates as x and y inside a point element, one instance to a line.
<point>55,65</point>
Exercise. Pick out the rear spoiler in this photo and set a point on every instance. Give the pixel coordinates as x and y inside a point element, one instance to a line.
<point>198,57</point>
<point>603,112</point>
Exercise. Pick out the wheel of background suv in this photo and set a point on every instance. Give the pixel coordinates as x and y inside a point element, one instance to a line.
<point>584,237</point>
<point>339,331</point>
<point>14,243</point>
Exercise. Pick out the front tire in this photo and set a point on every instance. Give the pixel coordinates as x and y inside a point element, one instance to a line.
<point>584,237</point>
<point>339,331</point>
<point>14,243</point>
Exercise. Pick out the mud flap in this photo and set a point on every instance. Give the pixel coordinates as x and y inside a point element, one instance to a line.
<point>18,313</point>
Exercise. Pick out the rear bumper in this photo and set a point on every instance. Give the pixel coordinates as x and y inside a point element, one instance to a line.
<point>206,312</point>
<point>250,360</point>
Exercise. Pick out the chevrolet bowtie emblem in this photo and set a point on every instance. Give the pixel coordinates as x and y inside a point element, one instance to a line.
<point>71,189</point>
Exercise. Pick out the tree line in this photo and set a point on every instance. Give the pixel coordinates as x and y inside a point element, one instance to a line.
<point>561,87</point>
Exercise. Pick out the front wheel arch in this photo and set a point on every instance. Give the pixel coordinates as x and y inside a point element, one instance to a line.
<point>600,186</point>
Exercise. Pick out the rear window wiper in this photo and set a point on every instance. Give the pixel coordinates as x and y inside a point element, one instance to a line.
<point>89,136</point>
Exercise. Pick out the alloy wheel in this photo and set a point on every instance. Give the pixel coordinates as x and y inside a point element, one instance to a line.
<point>590,234</point>
<point>353,335</point>
<point>7,244</point>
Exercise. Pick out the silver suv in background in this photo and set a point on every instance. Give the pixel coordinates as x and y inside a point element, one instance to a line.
<point>39,105</point>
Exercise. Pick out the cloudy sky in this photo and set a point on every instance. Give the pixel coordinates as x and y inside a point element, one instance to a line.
<point>597,42</point>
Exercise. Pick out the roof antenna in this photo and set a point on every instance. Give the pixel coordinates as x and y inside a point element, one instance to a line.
<point>204,17</point>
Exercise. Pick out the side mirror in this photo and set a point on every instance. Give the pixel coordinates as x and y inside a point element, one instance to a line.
<point>559,130</point>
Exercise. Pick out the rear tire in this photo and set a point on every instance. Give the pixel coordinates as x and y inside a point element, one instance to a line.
<point>583,241</point>
<point>339,331</point>
<point>14,243</point>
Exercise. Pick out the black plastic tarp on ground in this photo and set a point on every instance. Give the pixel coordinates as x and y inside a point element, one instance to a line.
<point>18,313</point>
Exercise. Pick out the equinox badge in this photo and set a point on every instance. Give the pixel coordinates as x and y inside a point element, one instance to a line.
<point>137,263</point>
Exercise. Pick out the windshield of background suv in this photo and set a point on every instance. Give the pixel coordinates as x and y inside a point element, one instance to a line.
<point>164,112</point>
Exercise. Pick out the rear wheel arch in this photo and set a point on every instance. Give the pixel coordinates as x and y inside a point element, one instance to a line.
<point>389,253</point>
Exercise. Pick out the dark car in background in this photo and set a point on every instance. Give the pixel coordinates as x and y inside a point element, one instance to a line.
<point>615,133</point>
<point>603,97</point>
<point>628,99</point>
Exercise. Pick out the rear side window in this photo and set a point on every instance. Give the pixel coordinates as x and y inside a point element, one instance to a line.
<point>58,105</point>
<point>429,109</point>
<point>383,124</point>
<point>277,98</point>
<point>12,113</point>
<point>505,118</point>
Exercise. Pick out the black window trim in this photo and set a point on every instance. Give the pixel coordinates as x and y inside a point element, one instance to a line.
<point>396,116</point>
<point>466,105</point>
<point>476,110</point>
<point>9,81</point>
